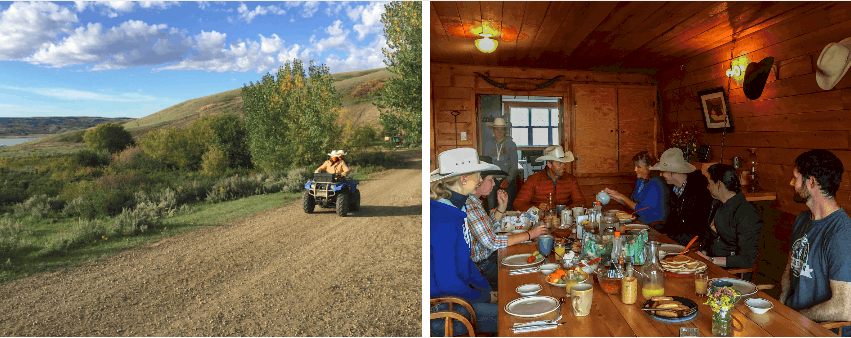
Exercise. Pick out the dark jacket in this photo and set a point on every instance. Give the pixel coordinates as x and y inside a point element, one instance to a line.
<point>689,213</point>
<point>738,226</point>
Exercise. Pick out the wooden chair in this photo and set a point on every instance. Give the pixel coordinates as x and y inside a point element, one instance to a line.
<point>740,272</point>
<point>835,325</point>
<point>449,315</point>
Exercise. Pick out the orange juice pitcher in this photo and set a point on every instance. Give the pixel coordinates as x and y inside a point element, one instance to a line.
<point>651,276</point>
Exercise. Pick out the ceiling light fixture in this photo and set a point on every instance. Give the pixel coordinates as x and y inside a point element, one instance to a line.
<point>486,44</point>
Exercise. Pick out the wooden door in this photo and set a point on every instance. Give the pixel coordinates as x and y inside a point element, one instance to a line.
<point>595,124</point>
<point>636,123</point>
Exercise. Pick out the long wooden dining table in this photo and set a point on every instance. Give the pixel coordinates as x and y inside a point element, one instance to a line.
<point>610,317</point>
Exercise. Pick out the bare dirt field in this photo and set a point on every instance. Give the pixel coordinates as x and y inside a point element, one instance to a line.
<point>280,272</point>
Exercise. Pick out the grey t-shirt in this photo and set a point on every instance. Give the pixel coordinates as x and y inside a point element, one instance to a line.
<point>820,253</point>
<point>504,155</point>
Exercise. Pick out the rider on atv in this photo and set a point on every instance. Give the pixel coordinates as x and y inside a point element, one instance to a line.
<point>335,165</point>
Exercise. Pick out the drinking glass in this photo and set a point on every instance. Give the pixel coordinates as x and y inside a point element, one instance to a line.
<point>689,332</point>
<point>701,282</point>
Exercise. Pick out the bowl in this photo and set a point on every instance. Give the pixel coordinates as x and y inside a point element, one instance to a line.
<point>759,305</point>
<point>590,269</point>
<point>529,289</point>
<point>549,268</point>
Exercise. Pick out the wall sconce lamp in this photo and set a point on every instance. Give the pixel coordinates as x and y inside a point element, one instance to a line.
<point>737,68</point>
<point>486,44</point>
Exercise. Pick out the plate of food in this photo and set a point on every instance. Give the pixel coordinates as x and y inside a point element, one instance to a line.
<point>562,277</point>
<point>521,260</point>
<point>634,227</point>
<point>624,216</point>
<point>682,265</point>
<point>744,287</point>
<point>670,308</point>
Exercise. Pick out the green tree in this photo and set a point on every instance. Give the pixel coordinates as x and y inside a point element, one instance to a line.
<point>290,118</point>
<point>108,136</point>
<point>180,148</point>
<point>229,136</point>
<point>401,100</point>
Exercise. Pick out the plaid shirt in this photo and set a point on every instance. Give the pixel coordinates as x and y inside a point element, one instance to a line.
<point>483,228</point>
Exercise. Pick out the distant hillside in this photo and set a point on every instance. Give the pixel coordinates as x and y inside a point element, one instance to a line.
<point>357,90</point>
<point>20,126</point>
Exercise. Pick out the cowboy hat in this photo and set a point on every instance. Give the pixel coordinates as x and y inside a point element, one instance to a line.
<point>556,153</point>
<point>459,161</point>
<point>756,75</point>
<point>672,161</point>
<point>834,61</point>
<point>341,153</point>
<point>497,123</point>
<point>333,153</point>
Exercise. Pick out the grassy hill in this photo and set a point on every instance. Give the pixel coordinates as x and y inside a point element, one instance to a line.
<point>356,88</point>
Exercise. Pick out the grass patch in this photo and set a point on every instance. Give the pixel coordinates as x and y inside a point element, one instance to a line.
<point>33,256</point>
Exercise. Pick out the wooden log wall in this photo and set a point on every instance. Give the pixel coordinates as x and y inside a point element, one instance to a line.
<point>454,87</point>
<point>793,114</point>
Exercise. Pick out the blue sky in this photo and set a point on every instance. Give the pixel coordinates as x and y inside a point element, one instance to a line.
<point>132,59</point>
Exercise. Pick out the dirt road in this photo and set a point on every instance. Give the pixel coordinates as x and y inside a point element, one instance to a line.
<point>280,272</point>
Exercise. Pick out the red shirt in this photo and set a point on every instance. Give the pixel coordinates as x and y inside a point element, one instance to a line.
<point>539,186</point>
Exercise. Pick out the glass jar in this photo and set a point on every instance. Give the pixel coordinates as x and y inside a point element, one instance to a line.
<point>652,277</point>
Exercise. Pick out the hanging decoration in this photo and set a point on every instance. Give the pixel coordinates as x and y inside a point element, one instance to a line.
<point>519,85</point>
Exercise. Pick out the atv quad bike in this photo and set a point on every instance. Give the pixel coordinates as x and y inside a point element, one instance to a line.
<point>331,191</point>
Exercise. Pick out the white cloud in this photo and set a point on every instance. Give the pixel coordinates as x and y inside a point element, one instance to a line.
<point>247,15</point>
<point>203,4</point>
<point>27,26</point>
<point>370,18</point>
<point>334,7</point>
<point>214,55</point>
<point>133,43</point>
<point>337,39</point>
<point>113,9</point>
<point>73,94</point>
<point>368,57</point>
<point>309,8</point>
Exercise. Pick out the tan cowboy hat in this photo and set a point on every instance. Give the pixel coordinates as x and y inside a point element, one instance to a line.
<point>556,153</point>
<point>497,123</point>
<point>672,161</point>
<point>459,161</point>
<point>833,63</point>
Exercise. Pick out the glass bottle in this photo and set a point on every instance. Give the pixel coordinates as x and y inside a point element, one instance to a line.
<point>753,184</point>
<point>652,276</point>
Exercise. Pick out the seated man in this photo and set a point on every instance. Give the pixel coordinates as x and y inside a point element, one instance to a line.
<point>690,201</point>
<point>817,279</point>
<point>733,237</point>
<point>552,186</point>
<point>335,165</point>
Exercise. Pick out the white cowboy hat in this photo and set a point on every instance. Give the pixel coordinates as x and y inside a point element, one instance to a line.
<point>497,123</point>
<point>672,161</point>
<point>459,161</point>
<point>556,153</point>
<point>833,63</point>
<point>333,153</point>
<point>341,153</point>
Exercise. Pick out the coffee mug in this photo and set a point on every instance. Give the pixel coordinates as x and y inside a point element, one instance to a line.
<point>578,211</point>
<point>581,296</point>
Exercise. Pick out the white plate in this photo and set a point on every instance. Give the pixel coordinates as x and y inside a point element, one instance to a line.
<point>672,248</point>
<point>742,286</point>
<point>519,260</point>
<point>528,288</point>
<point>531,306</point>
<point>629,227</point>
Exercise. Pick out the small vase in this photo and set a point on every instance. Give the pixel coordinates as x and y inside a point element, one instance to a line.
<point>722,322</point>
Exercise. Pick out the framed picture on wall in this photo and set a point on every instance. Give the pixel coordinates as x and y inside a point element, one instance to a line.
<point>716,111</point>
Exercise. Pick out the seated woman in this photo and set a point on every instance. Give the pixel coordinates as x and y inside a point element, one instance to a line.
<point>733,237</point>
<point>453,272</point>
<point>650,191</point>
<point>485,243</point>
<point>690,201</point>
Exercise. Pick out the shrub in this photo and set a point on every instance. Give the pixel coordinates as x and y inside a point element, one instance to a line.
<point>108,136</point>
<point>91,158</point>
<point>78,235</point>
<point>105,198</point>
<point>36,207</point>
<point>135,221</point>
<point>235,188</point>
<point>229,135</point>
<point>12,235</point>
<point>195,190</point>
<point>180,148</point>
<point>214,161</point>
<point>133,158</point>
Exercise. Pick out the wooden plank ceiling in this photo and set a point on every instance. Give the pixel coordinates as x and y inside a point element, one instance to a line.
<point>605,36</point>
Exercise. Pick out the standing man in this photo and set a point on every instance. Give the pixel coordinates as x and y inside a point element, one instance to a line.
<point>503,153</point>
<point>733,237</point>
<point>817,279</point>
<point>690,201</point>
<point>551,187</point>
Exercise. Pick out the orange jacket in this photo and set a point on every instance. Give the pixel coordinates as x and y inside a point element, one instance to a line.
<point>537,189</point>
<point>334,168</point>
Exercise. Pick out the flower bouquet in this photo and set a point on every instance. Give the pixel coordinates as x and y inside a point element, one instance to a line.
<point>685,138</point>
<point>721,301</point>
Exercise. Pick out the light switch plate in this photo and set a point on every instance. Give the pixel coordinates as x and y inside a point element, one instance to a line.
<point>463,136</point>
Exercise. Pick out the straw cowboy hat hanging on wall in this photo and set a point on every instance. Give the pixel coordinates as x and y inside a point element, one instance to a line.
<point>833,63</point>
